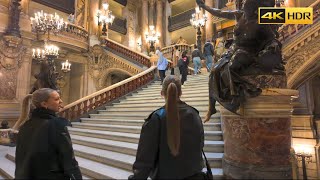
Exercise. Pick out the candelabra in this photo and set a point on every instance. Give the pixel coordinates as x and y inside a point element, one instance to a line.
<point>152,37</point>
<point>303,155</point>
<point>66,66</point>
<point>198,21</point>
<point>43,22</point>
<point>105,17</point>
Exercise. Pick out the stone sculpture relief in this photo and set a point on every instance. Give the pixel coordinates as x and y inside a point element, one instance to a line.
<point>99,63</point>
<point>80,12</point>
<point>11,54</point>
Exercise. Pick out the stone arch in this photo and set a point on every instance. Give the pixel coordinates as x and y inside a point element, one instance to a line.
<point>104,78</point>
<point>306,71</point>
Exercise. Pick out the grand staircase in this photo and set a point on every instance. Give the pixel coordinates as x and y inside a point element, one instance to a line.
<point>105,144</point>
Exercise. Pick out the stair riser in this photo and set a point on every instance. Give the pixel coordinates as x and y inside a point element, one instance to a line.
<point>122,117</point>
<point>105,160</point>
<point>137,101</point>
<point>109,137</point>
<point>212,137</point>
<point>201,109</point>
<point>207,148</point>
<point>93,174</point>
<point>128,123</point>
<point>156,97</point>
<point>157,105</point>
<point>194,87</point>
<point>125,130</point>
<point>106,147</point>
<point>134,113</point>
<point>157,93</point>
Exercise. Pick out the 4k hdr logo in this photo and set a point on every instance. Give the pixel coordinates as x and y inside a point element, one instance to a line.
<point>285,15</point>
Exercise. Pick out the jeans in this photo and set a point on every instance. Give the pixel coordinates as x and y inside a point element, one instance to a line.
<point>197,64</point>
<point>208,62</point>
<point>162,74</point>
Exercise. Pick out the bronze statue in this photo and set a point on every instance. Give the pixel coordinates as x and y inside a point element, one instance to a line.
<point>254,50</point>
<point>46,78</point>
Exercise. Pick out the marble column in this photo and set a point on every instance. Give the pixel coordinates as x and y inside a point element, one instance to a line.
<point>145,29</point>
<point>257,143</point>
<point>151,12</point>
<point>209,25</point>
<point>159,21</point>
<point>167,34</point>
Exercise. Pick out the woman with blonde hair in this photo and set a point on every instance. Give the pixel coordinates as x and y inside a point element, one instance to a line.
<point>171,139</point>
<point>44,149</point>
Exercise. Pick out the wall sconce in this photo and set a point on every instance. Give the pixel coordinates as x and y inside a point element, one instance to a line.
<point>66,66</point>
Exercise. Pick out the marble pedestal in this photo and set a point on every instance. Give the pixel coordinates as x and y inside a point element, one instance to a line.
<point>258,142</point>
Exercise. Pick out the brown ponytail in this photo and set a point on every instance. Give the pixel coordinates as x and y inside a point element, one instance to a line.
<point>172,91</point>
<point>24,112</point>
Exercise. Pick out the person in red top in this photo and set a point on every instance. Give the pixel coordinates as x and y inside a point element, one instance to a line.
<point>183,66</point>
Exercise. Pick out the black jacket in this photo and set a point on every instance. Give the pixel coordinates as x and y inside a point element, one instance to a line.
<point>196,53</point>
<point>154,158</point>
<point>208,49</point>
<point>44,149</point>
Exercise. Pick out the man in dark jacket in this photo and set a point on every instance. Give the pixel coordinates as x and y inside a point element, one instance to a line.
<point>208,53</point>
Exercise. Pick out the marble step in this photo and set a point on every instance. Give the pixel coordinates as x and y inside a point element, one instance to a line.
<point>96,170</point>
<point>124,161</point>
<point>209,135</point>
<point>130,148</point>
<point>202,97</point>
<point>201,109</point>
<point>7,168</point>
<point>215,117</point>
<point>157,96</point>
<point>207,126</point>
<point>202,89</point>
<point>188,85</point>
<point>11,156</point>
<point>160,104</point>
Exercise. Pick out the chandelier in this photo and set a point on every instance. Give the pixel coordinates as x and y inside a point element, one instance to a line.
<point>49,51</point>
<point>105,17</point>
<point>43,22</point>
<point>66,66</point>
<point>196,19</point>
<point>152,37</point>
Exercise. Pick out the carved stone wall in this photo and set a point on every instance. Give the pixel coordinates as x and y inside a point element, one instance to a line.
<point>99,62</point>
<point>10,62</point>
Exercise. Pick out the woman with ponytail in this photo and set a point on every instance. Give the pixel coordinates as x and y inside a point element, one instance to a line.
<point>44,149</point>
<point>171,139</point>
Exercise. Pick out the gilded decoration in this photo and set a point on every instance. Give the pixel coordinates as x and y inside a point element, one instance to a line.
<point>296,59</point>
<point>80,12</point>
<point>99,62</point>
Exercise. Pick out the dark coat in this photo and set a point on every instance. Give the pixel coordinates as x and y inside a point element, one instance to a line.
<point>154,158</point>
<point>208,49</point>
<point>44,149</point>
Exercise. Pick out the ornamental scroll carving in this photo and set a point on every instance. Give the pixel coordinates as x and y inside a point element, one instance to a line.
<point>99,62</point>
<point>297,58</point>
<point>11,53</point>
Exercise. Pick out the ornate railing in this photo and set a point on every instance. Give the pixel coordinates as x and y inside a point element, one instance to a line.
<point>180,21</point>
<point>136,56</point>
<point>76,32</point>
<point>84,105</point>
<point>168,51</point>
<point>119,25</point>
<point>287,31</point>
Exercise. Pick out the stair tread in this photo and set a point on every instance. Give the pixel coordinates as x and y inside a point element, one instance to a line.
<point>132,135</point>
<point>126,144</point>
<point>105,153</point>
<point>116,126</point>
<point>108,171</point>
<point>7,168</point>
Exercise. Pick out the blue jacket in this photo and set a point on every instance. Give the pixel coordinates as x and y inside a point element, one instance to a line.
<point>162,61</point>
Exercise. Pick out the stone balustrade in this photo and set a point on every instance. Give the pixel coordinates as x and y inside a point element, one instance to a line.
<point>136,56</point>
<point>86,104</point>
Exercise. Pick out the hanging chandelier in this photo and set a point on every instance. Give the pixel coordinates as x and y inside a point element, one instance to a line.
<point>152,36</point>
<point>66,66</point>
<point>43,22</point>
<point>105,17</point>
<point>197,20</point>
<point>49,51</point>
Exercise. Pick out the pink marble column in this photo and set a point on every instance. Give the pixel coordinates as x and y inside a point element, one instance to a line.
<point>209,25</point>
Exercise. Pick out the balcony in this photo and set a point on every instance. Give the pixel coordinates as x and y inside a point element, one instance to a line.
<point>180,21</point>
<point>119,25</point>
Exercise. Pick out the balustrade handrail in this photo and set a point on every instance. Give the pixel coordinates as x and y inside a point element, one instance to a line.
<point>84,105</point>
<point>137,56</point>
<point>81,31</point>
<point>283,30</point>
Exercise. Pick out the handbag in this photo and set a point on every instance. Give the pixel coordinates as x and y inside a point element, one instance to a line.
<point>207,175</point>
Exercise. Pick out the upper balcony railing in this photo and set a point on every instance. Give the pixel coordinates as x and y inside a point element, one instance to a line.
<point>86,104</point>
<point>136,56</point>
<point>76,32</point>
